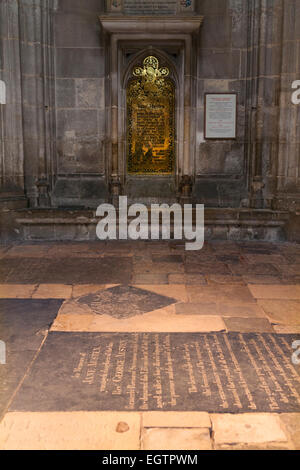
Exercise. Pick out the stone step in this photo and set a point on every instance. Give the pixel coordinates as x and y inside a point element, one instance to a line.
<point>222,224</point>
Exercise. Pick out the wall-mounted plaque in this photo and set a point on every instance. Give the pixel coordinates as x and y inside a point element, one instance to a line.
<point>150,120</point>
<point>220,116</point>
<point>150,7</point>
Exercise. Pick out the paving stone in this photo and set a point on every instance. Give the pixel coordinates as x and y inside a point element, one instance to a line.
<point>74,322</point>
<point>197,309</point>
<point>242,311</point>
<point>87,289</point>
<point>23,326</point>
<point>163,320</point>
<point>69,431</point>
<point>207,268</point>
<point>291,423</point>
<point>150,279</point>
<point>293,269</point>
<point>253,269</point>
<point>178,291</point>
<point>167,258</point>
<point>53,291</point>
<point>287,329</point>
<point>234,295</point>
<point>230,258</point>
<point>176,419</point>
<point>276,259</point>
<point>201,258</point>
<point>28,251</point>
<point>246,325</point>
<point>66,270</point>
<point>262,446</point>
<point>227,247</point>
<point>293,258</point>
<point>176,439</point>
<point>16,291</point>
<point>258,247</point>
<point>157,268</point>
<point>247,428</point>
<point>195,279</point>
<point>218,279</point>
<point>261,279</point>
<point>282,311</point>
<point>275,292</point>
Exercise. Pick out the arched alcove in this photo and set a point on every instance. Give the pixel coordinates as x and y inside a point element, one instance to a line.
<point>129,43</point>
<point>150,119</point>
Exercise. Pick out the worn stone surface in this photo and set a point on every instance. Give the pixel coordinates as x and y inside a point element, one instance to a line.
<point>275,292</point>
<point>282,311</point>
<point>247,428</point>
<point>171,419</point>
<point>291,423</point>
<point>245,325</point>
<point>24,325</point>
<point>69,431</point>
<point>16,291</point>
<point>66,271</point>
<point>156,321</point>
<point>235,295</point>
<point>176,439</point>
<point>52,291</point>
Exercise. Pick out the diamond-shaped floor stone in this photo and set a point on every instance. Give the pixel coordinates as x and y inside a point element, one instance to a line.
<point>125,301</point>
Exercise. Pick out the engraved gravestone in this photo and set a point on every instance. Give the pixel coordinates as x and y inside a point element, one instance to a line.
<point>214,372</point>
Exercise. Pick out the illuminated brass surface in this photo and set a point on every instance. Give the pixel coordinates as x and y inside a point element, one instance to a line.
<point>150,120</point>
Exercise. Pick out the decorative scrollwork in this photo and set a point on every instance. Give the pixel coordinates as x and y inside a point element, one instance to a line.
<point>151,72</point>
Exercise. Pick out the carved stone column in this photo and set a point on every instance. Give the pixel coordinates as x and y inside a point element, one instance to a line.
<point>12,192</point>
<point>264,70</point>
<point>37,72</point>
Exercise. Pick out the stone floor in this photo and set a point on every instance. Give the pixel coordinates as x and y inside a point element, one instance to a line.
<point>142,287</point>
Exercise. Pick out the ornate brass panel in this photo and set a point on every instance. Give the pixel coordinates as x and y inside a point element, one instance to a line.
<point>150,120</point>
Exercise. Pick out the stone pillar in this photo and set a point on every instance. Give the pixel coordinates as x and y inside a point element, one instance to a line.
<point>37,78</point>
<point>187,170</point>
<point>265,73</point>
<point>115,184</point>
<point>288,165</point>
<point>12,192</point>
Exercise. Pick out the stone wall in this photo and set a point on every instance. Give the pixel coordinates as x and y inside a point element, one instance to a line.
<point>53,146</point>
<point>11,126</point>
<point>80,103</point>
<point>288,165</point>
<point>221,169</point>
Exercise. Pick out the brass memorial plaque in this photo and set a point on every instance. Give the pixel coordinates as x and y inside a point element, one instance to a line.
<point>150,120</point>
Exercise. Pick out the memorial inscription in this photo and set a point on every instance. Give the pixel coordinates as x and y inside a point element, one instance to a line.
<point>151,7</point>
<point>141,7</point>
<point>150,120</point>
<point>213,372</point>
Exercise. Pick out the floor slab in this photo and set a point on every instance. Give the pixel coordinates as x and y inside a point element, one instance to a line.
<point>176,439</point>
<point>247,428</point>
<point>69,431</point>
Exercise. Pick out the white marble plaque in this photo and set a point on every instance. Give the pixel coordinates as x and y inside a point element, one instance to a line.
<point>220,115</point>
